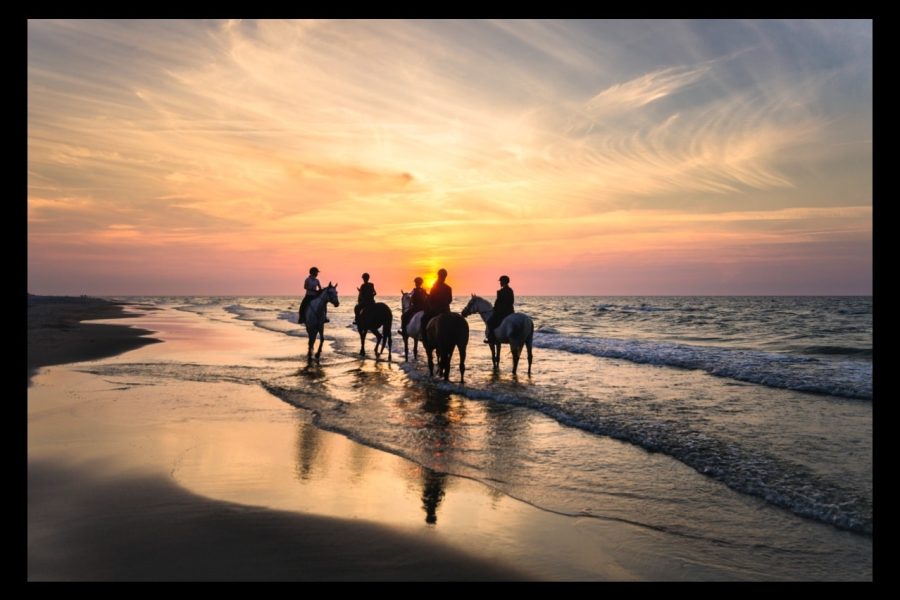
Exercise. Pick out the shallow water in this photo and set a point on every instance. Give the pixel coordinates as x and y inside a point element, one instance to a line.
<point>740,426</point>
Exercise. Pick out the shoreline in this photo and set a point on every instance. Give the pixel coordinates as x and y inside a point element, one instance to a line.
<point>58,335</point>
<point>104,518</point>
<point>187,432</point>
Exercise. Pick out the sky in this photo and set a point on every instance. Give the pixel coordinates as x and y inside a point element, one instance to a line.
<point>576,157</point>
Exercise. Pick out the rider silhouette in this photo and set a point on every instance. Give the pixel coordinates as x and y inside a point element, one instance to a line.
<point>312,287</point>
<point>366,297</point>
<point>418,300</point>
<point>503,307</point>
<point>439,298</point>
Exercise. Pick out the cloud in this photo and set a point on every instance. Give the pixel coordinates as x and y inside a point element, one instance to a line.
<point>409,136</point>
<point>641,91</point>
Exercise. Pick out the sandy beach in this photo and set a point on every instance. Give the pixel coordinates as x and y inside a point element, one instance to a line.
<point>107,499</point>
<point>648,243</point>
<point>57,335</point>
<point>85,524</point>
<point>176,461</point>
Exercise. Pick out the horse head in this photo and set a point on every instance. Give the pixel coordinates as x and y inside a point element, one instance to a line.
<point>470,308</point>
<point>331,294</point>
<point>476,304</point>
<point>405,300</point>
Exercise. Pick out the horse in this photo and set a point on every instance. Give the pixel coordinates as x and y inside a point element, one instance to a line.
<point>370,319</point>
<point>413,328</point>
<point>316,313</point>
<point>517,330</point>
<point>443,332</point>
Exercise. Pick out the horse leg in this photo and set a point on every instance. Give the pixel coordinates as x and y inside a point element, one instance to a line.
<point>495,356</point>
<point>379,339</point>
<point>362,342</point>
<point>445,360</point>
<point>462,361</point>
<point>516,350</point>
<point>430,352</point>
<point>321,341</point>
<point>528,347</point>
<point>390,342</point>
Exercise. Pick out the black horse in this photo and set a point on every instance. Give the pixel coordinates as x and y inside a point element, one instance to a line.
<point>443,333</point>
<point>372,318</point>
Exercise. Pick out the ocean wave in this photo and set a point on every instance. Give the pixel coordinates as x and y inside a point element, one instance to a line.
<point>778,481</point>
<point>270,319</point>
<point>648,308</point>
<point>837,350</point>
<point>849,379</point>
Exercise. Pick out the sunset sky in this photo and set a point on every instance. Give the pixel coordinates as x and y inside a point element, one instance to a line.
<point>582,157</point>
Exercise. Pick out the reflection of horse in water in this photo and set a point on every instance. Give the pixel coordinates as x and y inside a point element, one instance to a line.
<point>517,330</point>
<point>413,327</point>
<point>433,485</point>
<point>437,415</point>
<point>371,318</point>
<point>444,332</point>
<point>316,313</point>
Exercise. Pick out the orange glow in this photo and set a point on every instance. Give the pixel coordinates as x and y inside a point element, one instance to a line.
<point>228,158</point>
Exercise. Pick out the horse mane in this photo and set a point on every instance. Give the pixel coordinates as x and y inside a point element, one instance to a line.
<point>482,298</point>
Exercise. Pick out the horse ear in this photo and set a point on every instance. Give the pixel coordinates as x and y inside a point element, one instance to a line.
<point>335,286</point>
<point>473,295</point>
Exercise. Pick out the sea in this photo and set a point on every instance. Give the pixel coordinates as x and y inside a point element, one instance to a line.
<point>742,425</point>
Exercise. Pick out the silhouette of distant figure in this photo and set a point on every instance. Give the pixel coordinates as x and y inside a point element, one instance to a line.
<point>439,298</point>
<point>503,307</point>
<point>366,297</point>
<point>312,287</point>
<point>418,300</point>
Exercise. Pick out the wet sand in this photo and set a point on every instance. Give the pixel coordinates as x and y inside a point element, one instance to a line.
<point>56,334</point>
<point>168,462</point>
<point>100,508</point>
<point>131,528</point>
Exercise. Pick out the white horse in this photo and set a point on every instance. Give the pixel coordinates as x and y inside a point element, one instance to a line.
<point>316,313</point>
<point>517,330</point>
<point>413,328</point>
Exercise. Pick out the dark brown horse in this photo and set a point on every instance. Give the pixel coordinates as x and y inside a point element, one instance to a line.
<point>372,318</point>
<point>443,333</point>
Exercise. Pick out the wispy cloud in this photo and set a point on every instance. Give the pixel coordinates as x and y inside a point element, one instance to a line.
<point>640,91</point>
<point>354,136</point>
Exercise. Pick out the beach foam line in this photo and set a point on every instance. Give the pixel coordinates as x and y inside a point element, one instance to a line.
<point>847,378</point>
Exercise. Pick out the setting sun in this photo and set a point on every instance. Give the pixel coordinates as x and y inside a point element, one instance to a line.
<point>237,154</point>
<point>654,240</point>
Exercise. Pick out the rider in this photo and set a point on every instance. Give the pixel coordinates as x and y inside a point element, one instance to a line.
<point>439,299</point>
<point>418,300</point>
<point>503,307</point>
<point>366,297</point>
<point>312,287</point>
